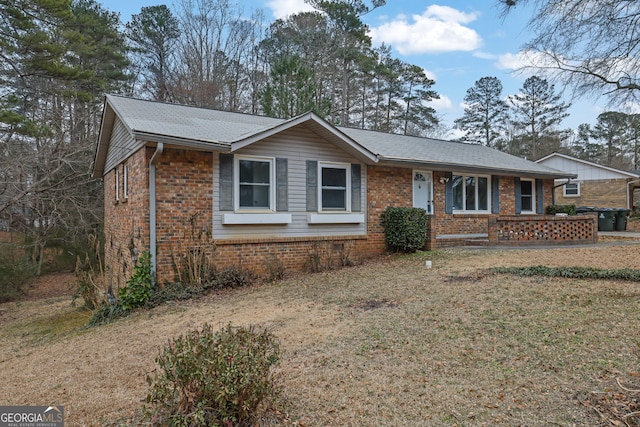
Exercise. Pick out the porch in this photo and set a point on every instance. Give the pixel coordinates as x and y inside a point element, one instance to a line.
<point>518,230</point>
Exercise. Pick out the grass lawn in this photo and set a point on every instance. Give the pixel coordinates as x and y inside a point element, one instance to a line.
<point>386,343</point>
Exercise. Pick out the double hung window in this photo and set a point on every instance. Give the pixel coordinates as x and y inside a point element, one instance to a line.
<point>255,183</point>
<point>335,187</point>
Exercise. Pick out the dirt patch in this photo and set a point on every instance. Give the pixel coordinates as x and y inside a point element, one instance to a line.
<point>386,343</point>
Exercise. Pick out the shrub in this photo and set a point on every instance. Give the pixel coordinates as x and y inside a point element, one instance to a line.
<point>554,209</point>
<point>14,276</point>
<point>139,285</point>
<point>206,378</point>
<point>405,228</point>
<point>234,277</point>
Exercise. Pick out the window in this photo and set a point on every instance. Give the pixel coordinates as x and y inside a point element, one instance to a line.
<point>125,181</point>
<point>117,183</point>
<point>335,192</point>
<point>572,189</point>
<point>527,196</point>
<point>254,183</point>
<point>470,193</point>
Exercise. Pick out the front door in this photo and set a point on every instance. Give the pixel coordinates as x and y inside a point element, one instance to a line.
<point>423,191</point>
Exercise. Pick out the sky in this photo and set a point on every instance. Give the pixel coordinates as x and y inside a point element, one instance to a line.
<point>456,42</point>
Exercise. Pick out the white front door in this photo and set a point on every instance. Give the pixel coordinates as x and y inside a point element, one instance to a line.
<point>423,190</point>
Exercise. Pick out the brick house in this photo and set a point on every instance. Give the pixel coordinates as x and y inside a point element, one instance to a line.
<point>594,185</point>
<point>268,190</point>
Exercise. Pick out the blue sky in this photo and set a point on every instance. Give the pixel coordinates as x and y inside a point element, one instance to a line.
<point>457,42</point>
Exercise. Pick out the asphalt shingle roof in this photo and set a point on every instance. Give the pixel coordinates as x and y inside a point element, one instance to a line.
<point>221,127</point>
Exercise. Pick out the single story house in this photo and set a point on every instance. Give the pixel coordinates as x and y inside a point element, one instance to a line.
<point>594,185</point>
<point>266,190</point>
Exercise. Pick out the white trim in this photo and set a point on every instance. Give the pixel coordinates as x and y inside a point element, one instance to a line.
<point>117,183</point>
<point>533,197</point>
<point>335,165</point>
<point>255,218</point>
<point>335,218</point>
<point>464,188</point>
<point>564,189</point>
<point>236,183</point>
<point>125,180</point>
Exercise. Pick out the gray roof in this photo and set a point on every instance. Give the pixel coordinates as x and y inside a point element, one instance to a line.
<point>160,122</point>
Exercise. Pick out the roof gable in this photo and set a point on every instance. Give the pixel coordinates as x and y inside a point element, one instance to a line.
<point>583,169</point>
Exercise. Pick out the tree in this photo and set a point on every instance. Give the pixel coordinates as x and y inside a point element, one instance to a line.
<point>593,47</point>
<point>292,90</point>
<point>611,129</point>
<point>485,112</point>
<point>537,110</point>
<point>418,115</point>
<point>64,57</point>
<point>154,33</point>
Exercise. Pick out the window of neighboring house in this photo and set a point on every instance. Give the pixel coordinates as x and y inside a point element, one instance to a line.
<point>335,195</point>
<point>527,195</point>
<point>125,181</point>
<point>254,183</point>
<point>470,193</point>
<point>571,189</point>
<point>117,183</point>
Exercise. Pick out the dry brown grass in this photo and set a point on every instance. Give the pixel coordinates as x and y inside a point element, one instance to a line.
<point>386,343</point>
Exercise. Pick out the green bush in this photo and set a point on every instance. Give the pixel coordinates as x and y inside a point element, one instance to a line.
<point>214,379</point>
<point>14,276</point>
<point>405,228</point>
<point>139,285</point>
<point>554,209</point>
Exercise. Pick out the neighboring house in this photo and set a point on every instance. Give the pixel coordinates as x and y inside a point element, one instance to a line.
<point>595,185</point>
<point>269,191</point>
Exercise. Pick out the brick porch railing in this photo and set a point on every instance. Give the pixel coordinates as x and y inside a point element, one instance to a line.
<point>542,229</point>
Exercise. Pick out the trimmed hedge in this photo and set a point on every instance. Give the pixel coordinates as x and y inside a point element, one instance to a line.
<point>568,209</point>
<point>405,228</point>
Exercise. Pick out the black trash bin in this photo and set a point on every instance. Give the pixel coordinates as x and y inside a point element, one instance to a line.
<point>606,219</point>
<point>585,209</point>
<point>621,219</point>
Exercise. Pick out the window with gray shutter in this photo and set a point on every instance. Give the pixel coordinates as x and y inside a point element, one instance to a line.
<point>226,182</point>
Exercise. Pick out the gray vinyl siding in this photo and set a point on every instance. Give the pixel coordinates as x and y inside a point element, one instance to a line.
<point>297,146</point>
<point>121,146</point>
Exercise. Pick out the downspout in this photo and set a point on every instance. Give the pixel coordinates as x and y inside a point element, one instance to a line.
<point>152,206</point>
<point>553,190</point>
<point>635,181</point>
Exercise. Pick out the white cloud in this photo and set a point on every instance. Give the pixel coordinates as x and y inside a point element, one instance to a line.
<point>283,8</point>
<point>439,29</point>
<point>444,103</point>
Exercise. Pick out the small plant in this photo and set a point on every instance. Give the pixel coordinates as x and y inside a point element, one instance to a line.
<point>91,276</point>
<point>192,260</point>
<point>206,378</point>
<point>234,277</point>
<point>314,259</point>
<point>405,228</point>
<point>139,285</point>
<point>556,209</point>
<point>14,276</point>
<point>274,268</point>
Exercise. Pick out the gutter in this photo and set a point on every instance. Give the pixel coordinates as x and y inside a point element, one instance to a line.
<point>152,206</point>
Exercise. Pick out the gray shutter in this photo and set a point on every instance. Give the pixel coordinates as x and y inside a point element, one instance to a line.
<point>356,188</point>
<point>518,195</point>
<point>282,185</point>
<point>226,182</point>
<point>495,194</point>
<point>448,193</point>
<point>539,196</point>
<point>312,186</point>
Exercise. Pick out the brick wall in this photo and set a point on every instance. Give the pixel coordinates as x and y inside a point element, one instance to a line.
<point>126,222</point>
<point>607,193</point>
<point>543,230</point>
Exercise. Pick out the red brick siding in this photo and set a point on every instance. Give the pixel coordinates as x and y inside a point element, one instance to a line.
<point>534,229</point>
<point>184,202</point>
<point>126,223</point>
